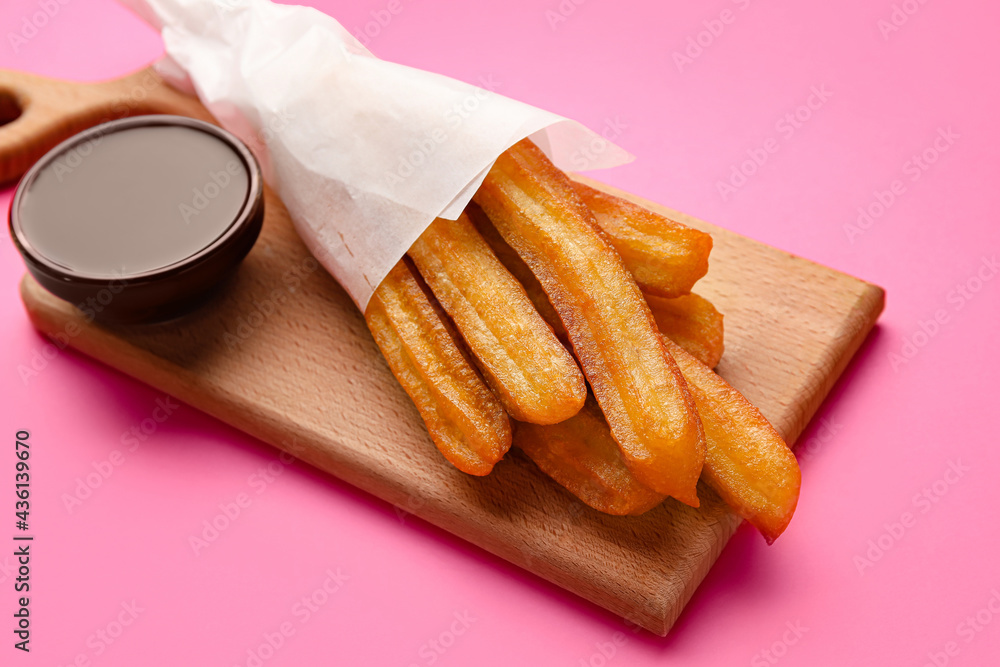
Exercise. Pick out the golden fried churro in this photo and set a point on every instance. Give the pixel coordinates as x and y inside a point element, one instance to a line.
<point>666,257</point>
<point>465,420</point>
<point>747,464</point>
<point>581,455</point>
<point>690,320</point>
<point>636,382</point>
<point>534,376</point>
<point>693,323</point>
<point>517,268</point>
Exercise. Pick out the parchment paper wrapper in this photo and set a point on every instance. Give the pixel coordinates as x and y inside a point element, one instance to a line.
<point>364,153</point>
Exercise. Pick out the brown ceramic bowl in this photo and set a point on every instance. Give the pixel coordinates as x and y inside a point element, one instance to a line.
<point>139,219</point>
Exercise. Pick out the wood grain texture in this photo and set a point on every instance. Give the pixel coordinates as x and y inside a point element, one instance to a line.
<point>284,355</point>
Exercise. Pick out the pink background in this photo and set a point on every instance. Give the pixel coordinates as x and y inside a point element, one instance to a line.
<point>892,429</point>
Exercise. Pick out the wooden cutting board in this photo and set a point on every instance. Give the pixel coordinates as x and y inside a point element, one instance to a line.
<point>284,355</point>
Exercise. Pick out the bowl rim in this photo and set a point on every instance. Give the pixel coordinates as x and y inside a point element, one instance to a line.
<point>248,210</point>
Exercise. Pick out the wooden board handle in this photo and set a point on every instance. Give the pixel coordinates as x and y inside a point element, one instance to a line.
<point>36,112</point>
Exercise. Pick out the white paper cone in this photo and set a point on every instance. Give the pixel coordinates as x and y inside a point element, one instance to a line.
<point>363,152</point>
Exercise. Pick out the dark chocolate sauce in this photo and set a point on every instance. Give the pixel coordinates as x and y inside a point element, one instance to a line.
<point>133,201</point>
<point>140,219</point>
